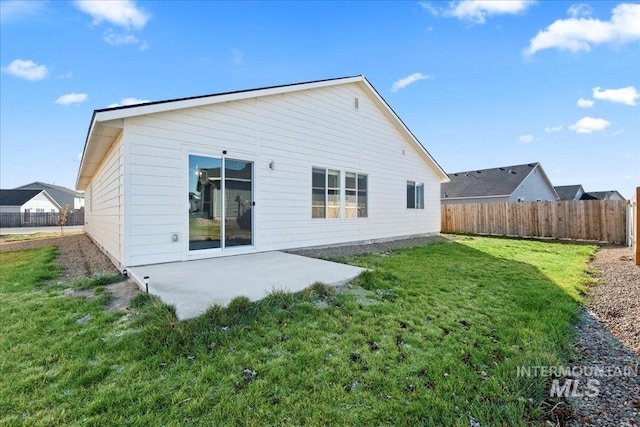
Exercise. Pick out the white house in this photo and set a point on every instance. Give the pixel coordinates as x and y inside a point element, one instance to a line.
<point>62,195</point>
<point>309,164</point>
<point>27,201</point>
<point>518,183</point>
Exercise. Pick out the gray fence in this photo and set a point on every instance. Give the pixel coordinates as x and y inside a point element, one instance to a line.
<point>31,219</point>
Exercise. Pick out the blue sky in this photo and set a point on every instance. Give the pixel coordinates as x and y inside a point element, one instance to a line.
<point>480,84</point>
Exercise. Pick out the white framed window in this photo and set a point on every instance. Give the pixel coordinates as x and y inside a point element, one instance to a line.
<point>415,195</point>
<point>355,203</point>
<point>325,193</point>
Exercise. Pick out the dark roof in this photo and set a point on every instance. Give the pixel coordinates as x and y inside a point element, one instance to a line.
<point>123,107</point>
<point>37,185</point>
<point>500,181</point>
<point>600,195</point>
<point>17,197</point>
<point>567,192</point>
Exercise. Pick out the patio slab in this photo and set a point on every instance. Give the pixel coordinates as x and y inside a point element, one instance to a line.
<point>194,286</point>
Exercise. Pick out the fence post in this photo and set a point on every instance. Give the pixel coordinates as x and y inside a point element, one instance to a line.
<point>636,223</point>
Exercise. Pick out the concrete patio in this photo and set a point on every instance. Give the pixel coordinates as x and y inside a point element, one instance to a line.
<point>194,286</point>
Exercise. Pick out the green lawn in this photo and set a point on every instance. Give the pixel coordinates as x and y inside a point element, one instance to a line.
<point>436,340</point>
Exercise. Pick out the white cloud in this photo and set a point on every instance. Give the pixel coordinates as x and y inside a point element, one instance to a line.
<point>66,75</point>
<point>478,10</point>
<point>128,101</point>
<point>406,81</point>
<point>11,10</point>
<point>554,128</point>
<point>238,56</point>
<point>72,98</point>
<point>579,10</point>
<point>118,39</point>
<point>525,139</point>
<point>580,34</point>
<point>589,125</point>
<point>26,69</point>
<point>122,13</point>
<point>626,95</point>
<point>585,103</point>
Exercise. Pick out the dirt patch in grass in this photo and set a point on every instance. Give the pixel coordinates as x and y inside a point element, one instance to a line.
<point>80,259</point>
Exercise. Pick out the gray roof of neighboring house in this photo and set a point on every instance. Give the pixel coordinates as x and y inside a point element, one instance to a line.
<point>601,195</point>
<point>568,192</point>
<point>17,197</point>
<point>500,181</point>
<point>43,185</point>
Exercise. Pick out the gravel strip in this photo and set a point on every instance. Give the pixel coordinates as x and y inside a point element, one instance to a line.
<point>609,346</point>
<point>372,248</point>
<point>78,256</point>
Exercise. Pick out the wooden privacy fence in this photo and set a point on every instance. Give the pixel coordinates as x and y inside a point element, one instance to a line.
<point>38,219</point>
<point>597,220</point>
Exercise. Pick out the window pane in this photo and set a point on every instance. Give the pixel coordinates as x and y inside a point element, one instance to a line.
<point>362,182</point>
<point>318,193</point>
<point>411,195</point>
<point>362,204</point>
<point>350,180</point>
<point>333,198</point>
<point>317,203</point>
<point>333,179</point>
<point>205,202</point>
<point>318,178</point>
<point>350,203</point>
<point>420,196</point>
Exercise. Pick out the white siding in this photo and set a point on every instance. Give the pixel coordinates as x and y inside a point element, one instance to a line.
<point>297,131</point>
<point>533,188</point>
<point>40,201</point>
<point>104,215</point>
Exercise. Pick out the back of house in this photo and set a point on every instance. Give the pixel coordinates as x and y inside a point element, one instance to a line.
<point>310,164</point>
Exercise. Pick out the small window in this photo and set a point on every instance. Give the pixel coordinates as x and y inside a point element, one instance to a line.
<point>415,195</point>
<point>355,205</point>
<point>325,193</point>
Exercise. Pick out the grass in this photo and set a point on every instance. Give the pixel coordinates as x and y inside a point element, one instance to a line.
<point>38,236</point>
<point>437,341</point>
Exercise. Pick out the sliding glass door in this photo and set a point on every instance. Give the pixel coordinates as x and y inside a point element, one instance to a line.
<point>220,203</point>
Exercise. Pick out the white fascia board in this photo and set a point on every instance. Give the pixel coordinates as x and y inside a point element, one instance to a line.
<point>143,109</point>
<point>443,175</point>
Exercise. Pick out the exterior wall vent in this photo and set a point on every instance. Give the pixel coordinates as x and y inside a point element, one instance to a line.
<point>356,104</point>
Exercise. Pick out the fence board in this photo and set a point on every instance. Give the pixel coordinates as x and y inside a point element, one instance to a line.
<point>596,220</point>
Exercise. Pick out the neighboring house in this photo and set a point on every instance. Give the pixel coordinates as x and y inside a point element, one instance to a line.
<point>27,202</point>
<point>570,192</point>
<point>576,192</point>
<point>308,164</point>
<point>604,195</point>
<point>62,195</point>
<point>519,183</point>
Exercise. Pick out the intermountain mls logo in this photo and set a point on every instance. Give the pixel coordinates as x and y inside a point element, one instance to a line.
<point>576,381</point>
